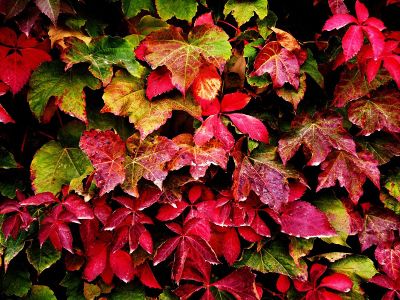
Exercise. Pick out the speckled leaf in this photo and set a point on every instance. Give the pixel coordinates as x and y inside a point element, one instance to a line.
<point>379,112</point>
<point>242,11</point>
<point>167,47</point>
<point>292,95</point>
<point>359,265</point>
<point>320,135</point>
<point>281,64</point>
<point>198,158</point>
<point>53,166</point>
<point>50,8</point>
<point>125,96</point>
<point>102,54</point>
<point>50,80</point>
<point>181,9</point>
<point>262,174</point>
<point>392,184</point>
<point>147,160</point>
<point>106,150</point>
<point>353,85</point>
<point>351,171</point>
<point>384,148</point>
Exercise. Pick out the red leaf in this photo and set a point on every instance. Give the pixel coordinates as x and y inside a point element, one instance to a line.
<point>234,101</point>
<point>337,282</point>
<point>351,171</point>
<point>240,283</point>
<point>281,64</point>
<point>159,82</point>
<point>106,150</point>
<point>352,41</point>
<point>146,276</point>
<point>338,21</point>
<point>4,116</point>
<point>77,206</point>
<point>45,198</point>
<point>97,261</point>
<point>361,12</point>
<point>17,66</point>
<point>319,135</point>
<point>204,19</point>
<point>301,219</point>
<point>389,260</point>
<point>207,84</point>
<point>122,266</point>
<point>379,112</point>
<point>338,7</point>
<point>283,284</point>
<point>251,126</point>
<point>213,127</point>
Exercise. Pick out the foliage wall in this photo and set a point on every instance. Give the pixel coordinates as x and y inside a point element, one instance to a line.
<point>199,149</point>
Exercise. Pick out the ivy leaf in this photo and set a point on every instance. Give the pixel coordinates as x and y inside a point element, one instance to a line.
<point>102,53</point>
<point>379,112</point>
<point>265,176</point>
<point>13,8</point>
<point>206,44</point>
<point>16,282</point>
<point>73,284</point>
<point>384,148</point>
<point>281,64</point>
<point>131,8</point>
<point>353,85</point>
<point>42,258</point>
<point>147,159</point>
<point>54,166</point>
<point>274,258</point>
<point>41,292</point>
<point>310,67</point>
<point>389,260</point>
<point>106,151</point>
<point>50,8</point>
<point>392,184</point>
<point>16,66</point>
<point>337,215</point>
<point>294,216</point>
<point>125,96</point>
<point>319,135</point>
<point>378,228</point>
<point>350,170</point>
<point>242,11</point>
<point>199,158</point>
<point>181,9</point>
<point>50,80</point>
<point>355,265</point>
<point>291,95</point>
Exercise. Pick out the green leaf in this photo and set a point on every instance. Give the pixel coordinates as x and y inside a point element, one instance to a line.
<point>44,257</point>
<point>16,282</point>
<point>50,80</point>
<point>392,184</point>
<point>127,292</point>
<point>337,216</point>
<point>7,160</point>
<point>54,165</point>
<point>355,265</point>
<point>242,11</point>
<point>70,134</point>
<point>74,285</point>
<point>310,67</point>
<point>390,203</point>
<point>264,25</point>
<point>102,54</point>
<point>10,184</point>
<point>148,24</point>
<point>273,258</point>
<point>125,96</point>
<point>41,292</point>
<point>181,9</point>
<point>13,247</point>
<point>131,8</point>
<point>299,248</point>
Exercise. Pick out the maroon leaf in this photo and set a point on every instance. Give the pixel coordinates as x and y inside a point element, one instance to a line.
<point>301,219</point>
<point>351,171</point>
